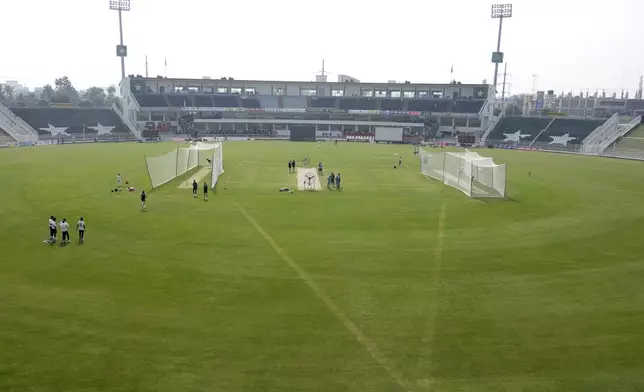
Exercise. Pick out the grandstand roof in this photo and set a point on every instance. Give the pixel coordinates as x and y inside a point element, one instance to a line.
<point>201,80</point>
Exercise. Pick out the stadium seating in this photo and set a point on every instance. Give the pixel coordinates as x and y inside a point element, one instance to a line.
<point>576,129</point>
<point>151,100</point>
<point>5,138</point>
<point>633,140</point>
<point>180,100</point>
<point>392,104</point>
<point>635,104</point>
<point>269,101</point>
<point>527,127</point>
<point>323,102</point>
<point>52,122</point>
<point>204,101</point>
<point>471,106</point>
<point>349,103</point>
<point>293,102</point>
<point>250,103</point>
<point>225,101</point>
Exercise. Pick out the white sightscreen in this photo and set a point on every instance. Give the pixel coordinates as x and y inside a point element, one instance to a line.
<point>217,164</point>
<point>162,169</point>
<point>472,174</point>
<point>387,134</point>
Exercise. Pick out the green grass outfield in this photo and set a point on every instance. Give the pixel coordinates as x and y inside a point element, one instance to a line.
<point>397,283</point>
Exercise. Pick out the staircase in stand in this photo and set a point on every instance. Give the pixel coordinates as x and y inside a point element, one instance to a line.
<point>127,122</point>
<point>16,127</point>
<point>5,138</point>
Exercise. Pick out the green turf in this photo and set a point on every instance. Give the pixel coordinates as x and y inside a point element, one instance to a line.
<point>396,283</point>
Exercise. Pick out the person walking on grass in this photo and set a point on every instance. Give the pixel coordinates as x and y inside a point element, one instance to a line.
<point>80,227</point>
<point>205,192</point>
<point>143,198</point>
<point>337,181</point>
<point>194,188</point>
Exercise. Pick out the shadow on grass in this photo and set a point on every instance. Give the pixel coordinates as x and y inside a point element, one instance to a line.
<point>498,200</point>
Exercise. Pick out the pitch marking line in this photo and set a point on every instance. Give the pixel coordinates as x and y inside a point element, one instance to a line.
<point>428,339</point>
<point>363,339</point>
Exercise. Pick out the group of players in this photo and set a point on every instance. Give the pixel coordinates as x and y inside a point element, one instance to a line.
<point>64,228</point>
<point>195,186</point>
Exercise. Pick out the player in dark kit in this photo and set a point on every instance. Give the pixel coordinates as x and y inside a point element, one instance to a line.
<point>194,188</point>
<point>290,166</point>
<point>143,198</point>
<point>205,191</point>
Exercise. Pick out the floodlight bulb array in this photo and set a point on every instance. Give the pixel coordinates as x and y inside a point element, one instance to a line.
<point>122,5</point>
<point>502,10</point>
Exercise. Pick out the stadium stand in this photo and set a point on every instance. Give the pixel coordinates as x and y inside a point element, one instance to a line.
<point>250,103</point>
<point>466,106</point>
<point>151,100</point>
<point>204,101</point>
<point>5,138</point>
<point>634,140</point>
<point>180,100</point>
<point>568,131</point>
<point>392,104</point>
<point>430,105</point>
<point>293,102</point>
<point>269,101</point>
<point>226,101</point>
<point>324,103</point>
<point>75,122</point>
<point>518,130</point>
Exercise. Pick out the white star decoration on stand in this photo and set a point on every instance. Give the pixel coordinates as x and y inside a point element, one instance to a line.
<point>514,137</point>
<point>479,94</point>
<point>563,139</point>
<point>138,88</point>
<point>55,131</point>
<point>101,129</point>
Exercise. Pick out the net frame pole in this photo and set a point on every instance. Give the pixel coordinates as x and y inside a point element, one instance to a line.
<point>471,177</point>
<point>176,165</point>
<point>505,182</point>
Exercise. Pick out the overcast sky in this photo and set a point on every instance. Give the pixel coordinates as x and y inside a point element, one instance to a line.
<point>568,44</point>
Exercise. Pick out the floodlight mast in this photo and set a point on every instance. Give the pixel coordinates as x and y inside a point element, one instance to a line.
<point>121,50</point>
<point>500,12</point>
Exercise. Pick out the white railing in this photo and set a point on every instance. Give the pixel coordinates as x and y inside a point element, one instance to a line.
<point>132,127</point>
<point>592,144</point>
<point>491,127</point>
<point>16,127</point>
<point>542,131</point>
<point>622,130</point>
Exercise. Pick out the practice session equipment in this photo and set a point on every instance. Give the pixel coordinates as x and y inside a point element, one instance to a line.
<point>472,174</point>
<point>165,168</point>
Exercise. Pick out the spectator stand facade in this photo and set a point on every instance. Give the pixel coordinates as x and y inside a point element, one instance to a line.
<point>228,107</point>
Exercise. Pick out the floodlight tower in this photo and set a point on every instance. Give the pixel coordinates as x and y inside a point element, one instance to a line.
<point>500,12</point>
<point>121,50</point>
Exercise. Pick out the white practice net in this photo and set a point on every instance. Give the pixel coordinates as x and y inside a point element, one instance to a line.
<point>162,169</point>
<point>474,175</point>
<point>217,164</point>
<point>165,168</point>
